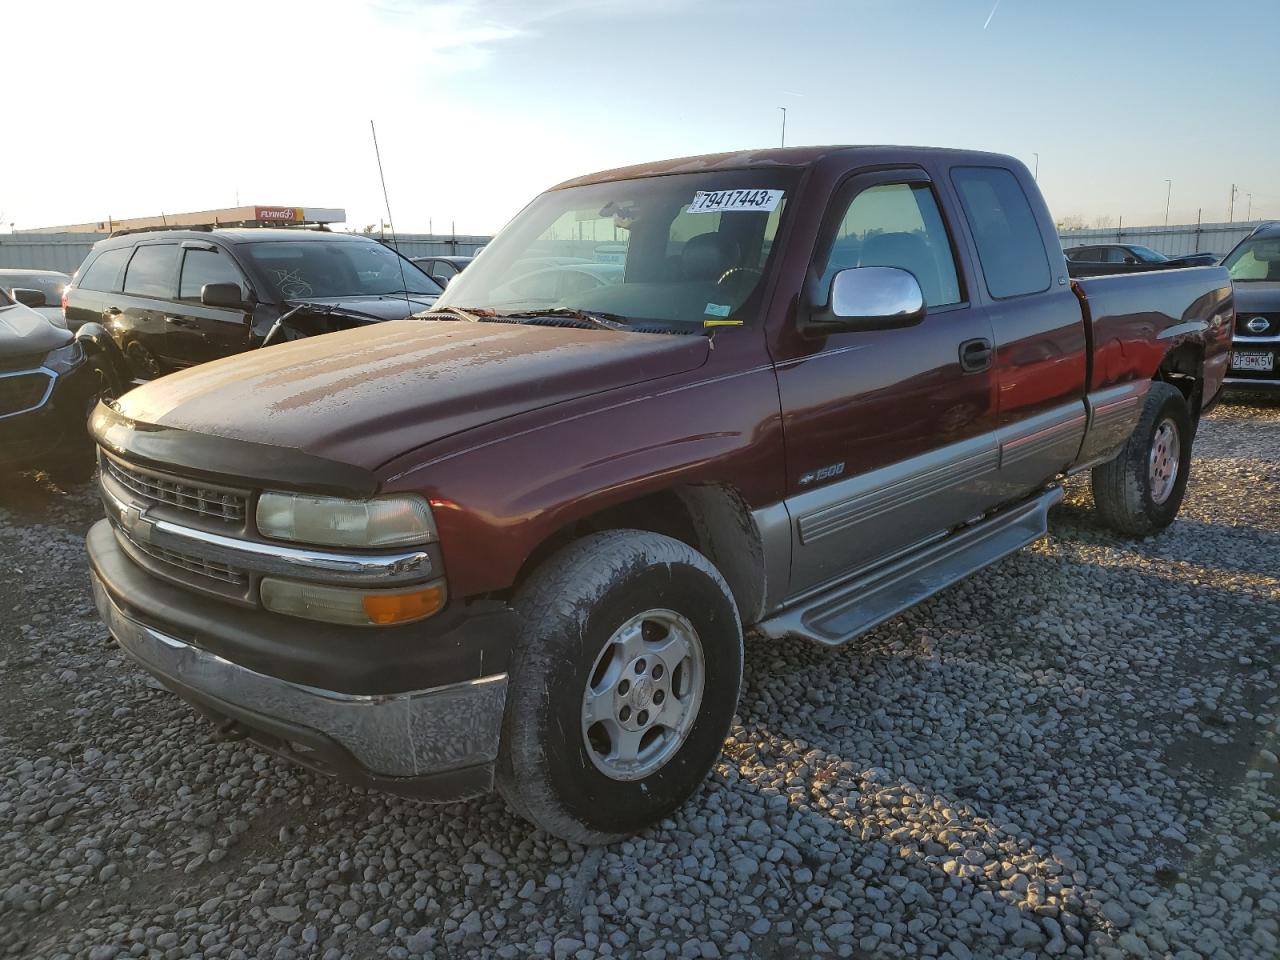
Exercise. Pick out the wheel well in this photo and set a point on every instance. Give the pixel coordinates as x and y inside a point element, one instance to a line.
<point>713,519</point>
<point>1183,368</point>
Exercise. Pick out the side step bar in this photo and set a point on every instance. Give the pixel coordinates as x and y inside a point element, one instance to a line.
<point>851,608</point>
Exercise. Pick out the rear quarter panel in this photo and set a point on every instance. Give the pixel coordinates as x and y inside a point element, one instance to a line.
<point>1138,319</point>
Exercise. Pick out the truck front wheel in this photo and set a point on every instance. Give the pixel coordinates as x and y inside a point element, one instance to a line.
<point>1140,490</point>
<point>622,686</point>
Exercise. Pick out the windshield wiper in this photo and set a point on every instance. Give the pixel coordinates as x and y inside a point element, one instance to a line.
<point>319,309</point>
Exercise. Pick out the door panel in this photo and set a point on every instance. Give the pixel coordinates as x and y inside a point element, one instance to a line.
<point>1041,347</point>
<point>199,333</point>
<point>150,286</point>
<point>889,440</point>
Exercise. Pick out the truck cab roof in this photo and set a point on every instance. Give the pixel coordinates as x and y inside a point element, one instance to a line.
<point>841,155</point>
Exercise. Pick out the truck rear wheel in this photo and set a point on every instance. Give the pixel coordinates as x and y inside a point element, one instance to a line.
<point>622,687</point>
<point>1140,491</point>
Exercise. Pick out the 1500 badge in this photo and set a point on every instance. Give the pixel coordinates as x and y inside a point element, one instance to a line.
<point>829,472</point>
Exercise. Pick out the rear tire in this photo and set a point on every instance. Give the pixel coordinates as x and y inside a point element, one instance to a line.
<point>1140,491</point>
<point>622,686</point>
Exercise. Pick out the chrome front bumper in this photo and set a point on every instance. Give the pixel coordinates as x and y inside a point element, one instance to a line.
<point>402,735</point>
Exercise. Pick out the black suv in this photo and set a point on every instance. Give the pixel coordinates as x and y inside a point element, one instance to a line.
<point>1254,266</point>
<point>174,298</point>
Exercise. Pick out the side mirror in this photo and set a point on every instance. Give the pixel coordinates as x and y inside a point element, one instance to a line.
<point>867,298</point>
<point>222,295</point>
<point>29,298</point>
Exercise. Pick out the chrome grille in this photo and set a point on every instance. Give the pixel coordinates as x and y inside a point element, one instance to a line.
<point>184,561</point>
<point>183,494</point>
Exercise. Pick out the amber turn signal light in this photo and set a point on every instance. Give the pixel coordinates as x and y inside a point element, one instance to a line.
<point>388,608</point>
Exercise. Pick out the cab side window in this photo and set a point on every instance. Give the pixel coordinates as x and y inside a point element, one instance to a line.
<point>1004,228</point>
<point>897,225</point>
<point>103,274</point>
<point>153,271</point>
<point>206,266</point>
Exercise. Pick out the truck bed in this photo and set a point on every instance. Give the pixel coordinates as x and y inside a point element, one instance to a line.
<point>1133,320</point>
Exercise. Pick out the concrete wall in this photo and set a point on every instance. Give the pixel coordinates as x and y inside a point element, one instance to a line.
<point>66,251</point>
<point>52,251</point>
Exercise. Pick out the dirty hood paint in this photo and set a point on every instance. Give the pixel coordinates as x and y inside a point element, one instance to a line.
<point>366,395</point>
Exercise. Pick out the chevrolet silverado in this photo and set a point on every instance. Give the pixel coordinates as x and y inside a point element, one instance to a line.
<point>515,542</point>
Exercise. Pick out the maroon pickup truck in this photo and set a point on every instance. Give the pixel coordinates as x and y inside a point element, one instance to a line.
<point>515,541</point>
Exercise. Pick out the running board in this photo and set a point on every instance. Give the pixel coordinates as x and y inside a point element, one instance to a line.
<point>851,608</point>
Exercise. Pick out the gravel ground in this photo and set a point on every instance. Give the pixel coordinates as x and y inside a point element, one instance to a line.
<point>1072,754</point>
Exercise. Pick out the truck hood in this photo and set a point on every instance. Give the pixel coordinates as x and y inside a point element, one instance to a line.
<point>1257,296</point>
<point>23,331</point>
<point>367,395</point>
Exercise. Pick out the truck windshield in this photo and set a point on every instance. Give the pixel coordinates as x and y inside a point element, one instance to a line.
<point>308,269</point>
<point>684,251</point>
<point>1255,260</point>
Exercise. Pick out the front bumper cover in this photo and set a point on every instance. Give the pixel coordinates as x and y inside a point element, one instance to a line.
<point>438,743</point>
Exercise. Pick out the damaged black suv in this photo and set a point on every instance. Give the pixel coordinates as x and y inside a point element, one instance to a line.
<point>175,298</point>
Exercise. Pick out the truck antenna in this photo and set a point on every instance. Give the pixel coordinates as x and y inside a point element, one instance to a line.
<point>404,286</point>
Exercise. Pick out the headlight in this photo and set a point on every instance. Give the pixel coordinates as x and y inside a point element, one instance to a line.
<point>393,521</point>
<point>65,357</point>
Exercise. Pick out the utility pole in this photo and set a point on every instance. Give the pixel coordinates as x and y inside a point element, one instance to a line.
<point>784,125</point>
<point>1168,195</point>
<point>1036,173</point>
<point>1231,205</point>
<point>1249,209</point>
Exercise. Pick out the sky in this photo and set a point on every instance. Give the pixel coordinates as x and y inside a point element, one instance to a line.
<point>138,107</point>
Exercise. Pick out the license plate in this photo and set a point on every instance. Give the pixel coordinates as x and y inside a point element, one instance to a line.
<point>1253,360</point>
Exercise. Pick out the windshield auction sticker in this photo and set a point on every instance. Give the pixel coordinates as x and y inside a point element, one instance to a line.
<point>722,201</point>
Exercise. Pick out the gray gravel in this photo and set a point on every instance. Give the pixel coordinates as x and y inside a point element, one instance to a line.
<point>1071,754</point>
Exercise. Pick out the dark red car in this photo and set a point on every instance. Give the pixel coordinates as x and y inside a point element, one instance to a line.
<point>516,542</point>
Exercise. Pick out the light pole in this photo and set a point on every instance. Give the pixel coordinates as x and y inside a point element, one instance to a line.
<point>784,125</point>
<point>1036,174</point>
<point>1249,208</point>
<point>1168,195</point>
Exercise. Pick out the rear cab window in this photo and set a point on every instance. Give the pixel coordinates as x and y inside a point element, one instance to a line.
<point>153,271</point>
<point>1010,247</point>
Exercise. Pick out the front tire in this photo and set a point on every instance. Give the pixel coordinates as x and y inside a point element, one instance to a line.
<point>1140,490</point>
<point>622,686</point>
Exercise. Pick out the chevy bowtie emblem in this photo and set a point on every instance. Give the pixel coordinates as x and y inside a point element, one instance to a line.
<point>1257,325</point>
<point>135,524</point>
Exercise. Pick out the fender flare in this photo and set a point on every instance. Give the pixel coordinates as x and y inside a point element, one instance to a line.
<point>99,346</point>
